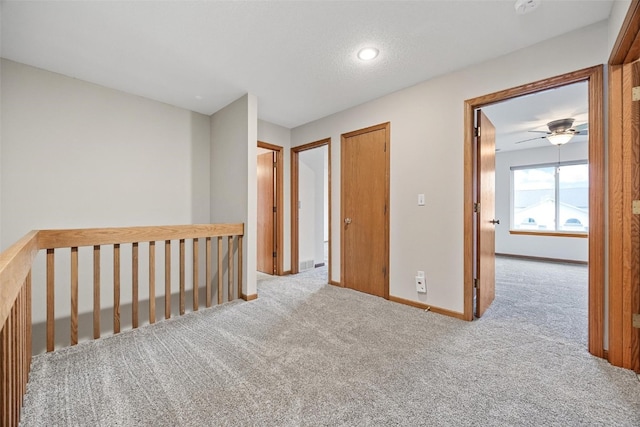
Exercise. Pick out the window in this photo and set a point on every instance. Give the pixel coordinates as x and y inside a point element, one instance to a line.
<point>550,198</point>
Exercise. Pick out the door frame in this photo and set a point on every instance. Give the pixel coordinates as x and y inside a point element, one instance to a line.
<point>594,77</point>
<point>279,202</point>
<point>295,182</point>
<point>387,128</point>
<point>624,187</point>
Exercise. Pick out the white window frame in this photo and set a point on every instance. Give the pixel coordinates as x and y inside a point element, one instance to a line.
<point>556,196</point>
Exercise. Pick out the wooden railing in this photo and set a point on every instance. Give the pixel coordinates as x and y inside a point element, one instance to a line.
<point>15,286</point>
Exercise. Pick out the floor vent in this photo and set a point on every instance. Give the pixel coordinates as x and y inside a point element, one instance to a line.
<point>306,265</point>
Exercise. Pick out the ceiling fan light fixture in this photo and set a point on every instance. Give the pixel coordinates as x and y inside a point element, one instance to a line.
<point>525,6</point>
<point>559,138</point>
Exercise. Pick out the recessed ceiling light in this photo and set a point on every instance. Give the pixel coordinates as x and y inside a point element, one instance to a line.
<point>368,53</point>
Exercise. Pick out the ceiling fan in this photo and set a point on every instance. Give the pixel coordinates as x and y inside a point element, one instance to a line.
<point>560,131</point>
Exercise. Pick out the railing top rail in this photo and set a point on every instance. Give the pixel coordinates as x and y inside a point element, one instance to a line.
<point>51,239</point>
<point>15,264</point>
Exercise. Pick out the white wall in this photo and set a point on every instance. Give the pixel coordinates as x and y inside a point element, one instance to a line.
<point>427,157</point>
<point>279,135</point>
<point>616,18</point>
<point>76,155</point>
<point>312,197</point>
<point>306,212</point>
<point>234,136</point>
<point>567,248</point>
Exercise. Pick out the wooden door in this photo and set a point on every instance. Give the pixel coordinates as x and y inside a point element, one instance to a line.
<point>365,213</point>
<point>266,213</point>
<point>485,217</point>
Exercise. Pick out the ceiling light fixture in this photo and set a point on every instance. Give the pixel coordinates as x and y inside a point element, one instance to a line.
<point>526,6</point>
<point>559,138</point>
<point>368,53</point>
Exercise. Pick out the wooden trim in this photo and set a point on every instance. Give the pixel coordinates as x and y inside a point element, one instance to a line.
<point>50,239</point>
<point>387,128</point>
<point>468,200</point>
<point>593,75</point>
<point>15,265</point>
<point>279,203</point>
<point>295,236</point>
<point>597,194</point>
<point>249,297</point>
<point>616,228</point>
<point>630,223</point>
<point>334,283</point>
<point>286,273</point>
<point>542,259</point>
<point>549,234</point>
<point>427,307</point>
<point>624,48</point>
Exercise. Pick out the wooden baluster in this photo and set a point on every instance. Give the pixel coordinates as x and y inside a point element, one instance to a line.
<point>4,374</point>
<point>74,296</point>
<point>96,292</point>
<point>196,288</point>
<point>134,285</point>
<point>50,299</point>
<point>220,272</point>
<point>10,391</point>
<point>116,288</point>
<point>152,282</point>
<point>19,349</point>
<point>18,353</point>
<point>230,267</point>
<point>28,330</point>
<point>208,273</point>
<point>167,279</point>
<point>182,275</point>
<point>29,320</point>
<point>239,266</point>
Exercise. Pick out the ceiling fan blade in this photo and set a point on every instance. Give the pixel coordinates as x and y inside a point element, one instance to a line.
<point>530,139</point>
<point>539,131</point>
<point>581,128</point>
<point>582,132</point>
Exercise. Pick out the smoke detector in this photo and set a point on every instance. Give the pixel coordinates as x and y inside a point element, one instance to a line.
<point>525,6</point>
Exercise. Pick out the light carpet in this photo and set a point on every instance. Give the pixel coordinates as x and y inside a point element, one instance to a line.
<point>306,353</point>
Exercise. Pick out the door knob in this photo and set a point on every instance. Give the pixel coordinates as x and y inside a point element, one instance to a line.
<point>495,221</point>
<point>347,220</point>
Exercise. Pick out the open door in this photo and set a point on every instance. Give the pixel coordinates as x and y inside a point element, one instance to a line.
<point>485,216</point>
<point>266,257</point>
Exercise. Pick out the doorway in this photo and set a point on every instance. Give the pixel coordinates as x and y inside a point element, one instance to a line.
<point>311,206</point>
<point>594,78</point>
<point>364,201</point>
<point>270,208</point>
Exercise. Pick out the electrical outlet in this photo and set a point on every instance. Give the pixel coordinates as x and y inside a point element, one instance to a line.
<point>421,285</point>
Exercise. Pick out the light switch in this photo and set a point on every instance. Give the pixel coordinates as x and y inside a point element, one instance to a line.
<point>420,199</point>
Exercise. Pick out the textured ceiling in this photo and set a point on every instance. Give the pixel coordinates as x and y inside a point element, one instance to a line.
<point>297,57</point>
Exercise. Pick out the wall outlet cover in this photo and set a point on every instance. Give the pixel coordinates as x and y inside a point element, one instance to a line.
<point>421,286</point>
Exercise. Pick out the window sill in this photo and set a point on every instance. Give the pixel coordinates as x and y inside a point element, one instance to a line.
<point>583,235</point>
